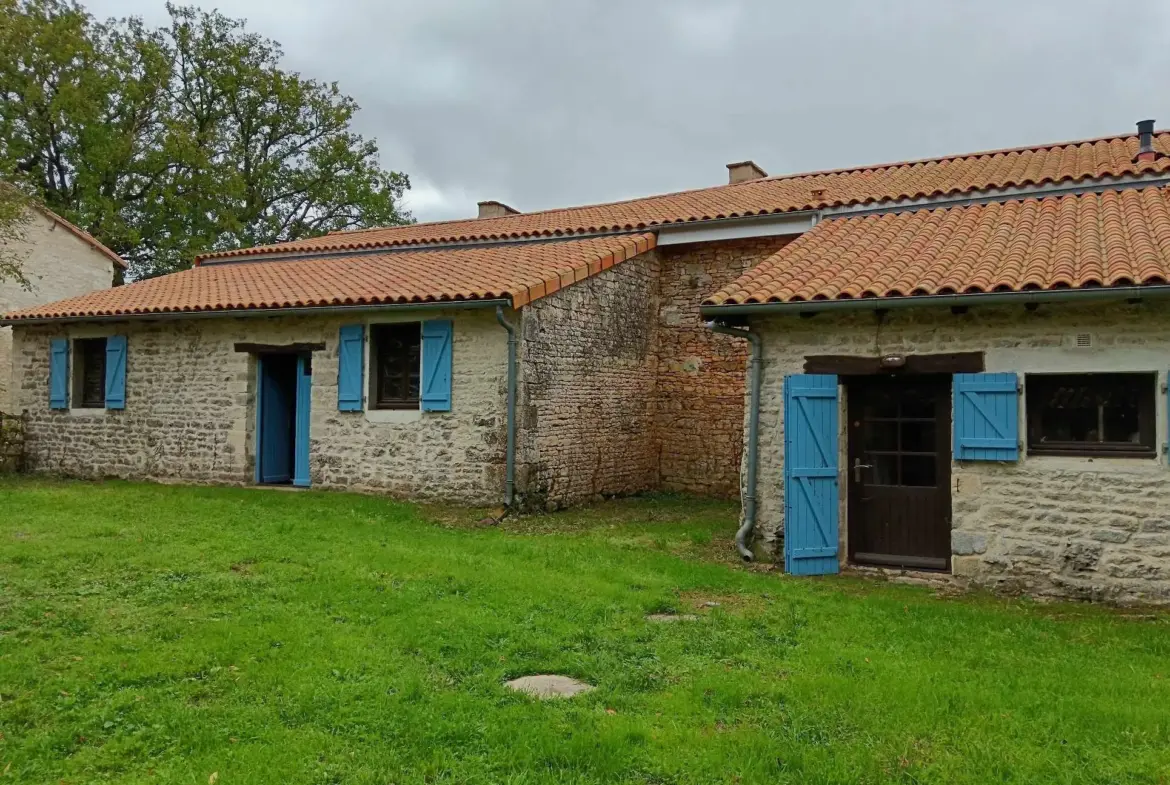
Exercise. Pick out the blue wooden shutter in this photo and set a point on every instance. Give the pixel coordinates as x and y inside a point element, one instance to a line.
<point>811,501</point>
<point>116,372</point>
<point>436,365</point>
<point>987,417</point>
<point>350,359</point>
<point>304,401</point>
<point>59,373</point>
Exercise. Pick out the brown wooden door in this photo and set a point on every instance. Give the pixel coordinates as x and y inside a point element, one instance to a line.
<point>899,472</point>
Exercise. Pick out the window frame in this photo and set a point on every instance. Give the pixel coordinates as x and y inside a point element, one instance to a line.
<point>79,367</point>
<point>1146,447</point>
<point>375,400</point>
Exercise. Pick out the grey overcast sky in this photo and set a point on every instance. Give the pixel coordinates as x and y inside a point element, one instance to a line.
<point>545,104</point>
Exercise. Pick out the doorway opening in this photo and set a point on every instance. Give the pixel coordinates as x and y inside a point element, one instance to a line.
<point>899,471</point>
<point>282,418</point>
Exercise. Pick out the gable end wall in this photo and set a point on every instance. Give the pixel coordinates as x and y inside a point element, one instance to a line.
<point>58,264</point>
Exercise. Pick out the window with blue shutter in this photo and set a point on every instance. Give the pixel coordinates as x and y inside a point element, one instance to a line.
<point>811,499</point>
<point>59,373</point>
<point>987,417</point>
<point>116,372</point>
<point>436,365</point>
<point>350,360</point>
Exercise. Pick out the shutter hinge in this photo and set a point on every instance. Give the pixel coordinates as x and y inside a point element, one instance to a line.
<point>1019,387</point>
<point>1165,448</point>
<point>1164,387</point>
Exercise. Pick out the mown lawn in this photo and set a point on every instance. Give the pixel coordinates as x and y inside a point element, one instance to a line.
<point>156,634</point>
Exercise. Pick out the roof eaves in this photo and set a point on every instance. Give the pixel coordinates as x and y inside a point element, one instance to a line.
<point>10,320</point>
<point>84,236</point>
<point>718,310</point>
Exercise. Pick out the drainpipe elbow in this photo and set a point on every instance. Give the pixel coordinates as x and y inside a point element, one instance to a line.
<point>743,537</point>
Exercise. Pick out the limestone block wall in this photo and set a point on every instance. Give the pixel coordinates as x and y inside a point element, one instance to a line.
<point>190,410</point>
<point>1091,528</point>
<point>700,409</point>
<point>587,394</point>
<point>57,264</point>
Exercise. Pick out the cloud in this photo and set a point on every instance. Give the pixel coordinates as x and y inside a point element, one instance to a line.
<point>543,104</point>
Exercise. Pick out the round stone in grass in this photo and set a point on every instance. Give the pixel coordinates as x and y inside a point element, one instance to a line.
<point>545,686</point>
<point>666,617</point>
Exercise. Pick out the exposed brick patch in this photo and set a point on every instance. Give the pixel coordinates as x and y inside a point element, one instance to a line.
<point>700,416</point>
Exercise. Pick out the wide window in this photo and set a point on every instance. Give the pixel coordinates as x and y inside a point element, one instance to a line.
<point>89,373</point>
<point>1091,414</point>
<point>394,363</point>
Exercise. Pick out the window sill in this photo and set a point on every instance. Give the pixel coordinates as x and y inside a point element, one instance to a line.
<point>394,416</point>
<point>88,412</point>
<point>1073,453</point>
<point>1095,463</point>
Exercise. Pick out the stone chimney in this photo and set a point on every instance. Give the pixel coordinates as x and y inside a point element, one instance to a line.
<point>1146,151</point>
<point>493,209</point>
<point>744,171</point>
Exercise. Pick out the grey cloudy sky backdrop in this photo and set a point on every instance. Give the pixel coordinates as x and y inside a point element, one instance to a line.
<point>549,104</point>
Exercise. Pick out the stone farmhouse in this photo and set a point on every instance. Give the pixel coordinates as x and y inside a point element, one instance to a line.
<point>58,260</point>
<point>956,364</point>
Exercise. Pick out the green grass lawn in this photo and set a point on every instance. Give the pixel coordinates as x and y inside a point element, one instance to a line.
<point>154,634</point>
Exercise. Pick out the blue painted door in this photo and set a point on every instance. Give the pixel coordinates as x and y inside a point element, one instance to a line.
<point>275,405</point>
<point>811,500</point>
<point>301,450</point>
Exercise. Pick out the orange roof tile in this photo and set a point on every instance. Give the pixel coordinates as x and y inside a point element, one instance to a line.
<point>1113,238</point>
<point>951,175</point>
<point>522,272</point>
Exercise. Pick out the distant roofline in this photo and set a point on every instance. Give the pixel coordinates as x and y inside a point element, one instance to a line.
<point>348,235</point>
<point>775,177</point>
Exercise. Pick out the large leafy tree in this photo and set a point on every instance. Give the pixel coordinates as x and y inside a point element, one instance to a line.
<point>14,219</point>
<point>164,143</point>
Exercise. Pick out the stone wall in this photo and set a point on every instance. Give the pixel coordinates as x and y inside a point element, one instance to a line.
<point>1091,528</point>
<point>190,412</point>
<point>699,420</point>
<point>587,393</point>
<point>57,264</point>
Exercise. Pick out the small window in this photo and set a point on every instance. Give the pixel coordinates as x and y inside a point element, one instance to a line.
<point>1091,414</point>
<point>89,373</point>
<point>394,362</point>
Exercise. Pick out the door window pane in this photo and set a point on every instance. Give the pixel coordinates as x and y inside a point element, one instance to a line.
<point>884,470</point>
<point>881,435</point>
<point>919,470</point>
<point>918,436</point>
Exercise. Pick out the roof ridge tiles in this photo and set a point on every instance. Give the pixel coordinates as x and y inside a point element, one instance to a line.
<point>872,184</point>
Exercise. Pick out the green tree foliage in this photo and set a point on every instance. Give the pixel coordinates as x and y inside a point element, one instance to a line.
<point>165,143</point>
<point>14,219</point>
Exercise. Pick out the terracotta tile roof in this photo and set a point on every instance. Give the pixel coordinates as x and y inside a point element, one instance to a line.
<point>1114,238</point>
<point>952,175</point>
<point>522,272</point>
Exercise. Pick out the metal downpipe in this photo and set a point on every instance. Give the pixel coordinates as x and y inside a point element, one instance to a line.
<point>743,536</point>
<point>510,460</point>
